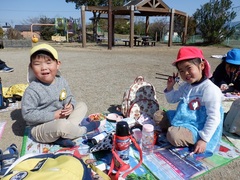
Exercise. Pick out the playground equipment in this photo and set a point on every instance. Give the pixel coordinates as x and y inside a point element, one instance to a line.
<point>64,27</point>
<point>34,39</point>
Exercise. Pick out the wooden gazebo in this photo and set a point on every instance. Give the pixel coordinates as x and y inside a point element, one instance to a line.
<point>144,8</point>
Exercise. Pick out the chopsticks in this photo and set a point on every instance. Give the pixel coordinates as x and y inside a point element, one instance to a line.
<point>162,75</point>
<point>69,101</point>
<point>177,79</point>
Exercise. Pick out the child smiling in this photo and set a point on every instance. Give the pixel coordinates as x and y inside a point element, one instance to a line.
<point>197,121</point>
<point>53,118</point>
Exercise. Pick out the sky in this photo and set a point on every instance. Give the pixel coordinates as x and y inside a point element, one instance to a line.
<point>15,12</point>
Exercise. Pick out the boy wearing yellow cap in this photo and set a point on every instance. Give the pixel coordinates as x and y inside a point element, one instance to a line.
<point>48,105</point>
<point>197,121</point>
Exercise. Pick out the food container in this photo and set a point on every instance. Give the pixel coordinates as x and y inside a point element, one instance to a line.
<point>83,149</point>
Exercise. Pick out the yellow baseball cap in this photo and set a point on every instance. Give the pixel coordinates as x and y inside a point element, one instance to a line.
<point>45,47</point>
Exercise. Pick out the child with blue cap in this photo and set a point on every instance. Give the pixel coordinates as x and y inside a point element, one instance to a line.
<point>227,74</point>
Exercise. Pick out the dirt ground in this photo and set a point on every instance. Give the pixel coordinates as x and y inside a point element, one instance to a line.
<point>99,77</point>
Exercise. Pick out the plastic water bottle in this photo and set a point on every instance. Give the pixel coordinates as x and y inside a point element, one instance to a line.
<point>147,139</point>
<point>122,143</point>
<point>96,139</point>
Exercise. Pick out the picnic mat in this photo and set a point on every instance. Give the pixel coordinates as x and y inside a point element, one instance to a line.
<point>234,139</point>
<point>165,163</point>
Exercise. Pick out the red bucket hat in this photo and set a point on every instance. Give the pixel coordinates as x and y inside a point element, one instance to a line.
<point>186,53</point>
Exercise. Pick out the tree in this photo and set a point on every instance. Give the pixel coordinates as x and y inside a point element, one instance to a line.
<point>214,19</point>
<point>139,26</point>
<point>47,31</point>
<point>159,26</point>
<point>96,15</point>
<point>31,20</point>
<point>121,26</point>
<point>1,32</point>
<point>179,24</point>
<point>13,34</point>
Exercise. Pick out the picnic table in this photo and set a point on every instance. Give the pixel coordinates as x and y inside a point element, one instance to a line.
<point>100,39</point>
<point>147,41</point>
<point>140,40</point>
<point>137,41</point>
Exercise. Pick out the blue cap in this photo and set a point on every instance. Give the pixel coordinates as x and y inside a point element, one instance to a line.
<point>233,57</point>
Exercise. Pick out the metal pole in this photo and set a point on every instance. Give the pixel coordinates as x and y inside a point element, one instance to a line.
<point>39,25</point>
<point>84,38</point>
<point>110,24</point>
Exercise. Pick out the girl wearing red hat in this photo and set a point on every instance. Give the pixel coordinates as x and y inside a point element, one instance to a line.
<point>197,121</point>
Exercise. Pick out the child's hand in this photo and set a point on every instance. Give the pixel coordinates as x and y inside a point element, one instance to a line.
<point>67,110</point>
<point>63,113</point>
<point>224,87</point>
<point>171,81</point>
<point>200,146</point>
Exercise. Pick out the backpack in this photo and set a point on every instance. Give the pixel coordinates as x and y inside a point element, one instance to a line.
<point>59,166</point>
<point>139,98</point>
<point>232,120</point>
<point>15,91</point>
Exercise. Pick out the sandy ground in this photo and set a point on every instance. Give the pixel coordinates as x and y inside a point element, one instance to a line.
<point>99,77</point>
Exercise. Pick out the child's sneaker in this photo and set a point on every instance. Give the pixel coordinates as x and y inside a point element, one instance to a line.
<point>7,69</point>
<point>64,142</point>
<point>8,157</point>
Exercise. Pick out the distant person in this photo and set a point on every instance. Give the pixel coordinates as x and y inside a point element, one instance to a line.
<point>4,67</point>
<point>48,105</point>
<point>197,121</point>
<point>227,74</point>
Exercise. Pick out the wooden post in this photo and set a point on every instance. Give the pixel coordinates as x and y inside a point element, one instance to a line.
<point>113,22</point>
<point>147,26</point>
<point>83,26</point>
<point>110,24</point>
<point>171,28</point>
<point>131,25</point>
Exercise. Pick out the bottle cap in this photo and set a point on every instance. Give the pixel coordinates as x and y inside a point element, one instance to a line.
<point>148,128</point>
<point>122,128</point>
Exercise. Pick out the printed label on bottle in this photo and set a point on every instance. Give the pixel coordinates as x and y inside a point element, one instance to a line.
<point>122,149</point>
<point>147,143</point>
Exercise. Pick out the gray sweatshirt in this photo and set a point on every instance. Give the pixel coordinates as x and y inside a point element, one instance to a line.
<point>40,101</point>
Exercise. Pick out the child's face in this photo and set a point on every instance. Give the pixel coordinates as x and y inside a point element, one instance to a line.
<point>190,72</point>
<point>45,68</point>
<point>230,69</point>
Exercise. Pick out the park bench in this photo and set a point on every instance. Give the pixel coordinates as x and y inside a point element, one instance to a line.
<point>126,41</point>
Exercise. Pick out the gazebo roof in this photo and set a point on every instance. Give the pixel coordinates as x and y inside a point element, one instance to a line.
<point>141,8</point>
<point>145,8</point>
<point>105,16</point>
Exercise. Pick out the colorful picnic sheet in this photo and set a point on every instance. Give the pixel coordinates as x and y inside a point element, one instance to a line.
<point>165,163</point>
